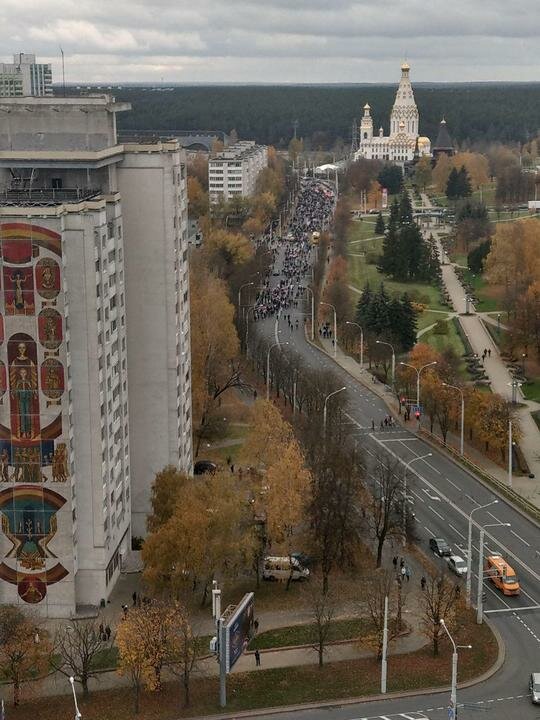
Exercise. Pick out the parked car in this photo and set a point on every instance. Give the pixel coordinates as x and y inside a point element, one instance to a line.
<point>440,547</point>
<point>457,565</point>
<point>204,466</point>
<point>534,687</point>
<point>303,559</point>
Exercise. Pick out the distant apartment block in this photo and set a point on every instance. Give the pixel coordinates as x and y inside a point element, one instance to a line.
<point>24,77</point>
<point>234,171</point>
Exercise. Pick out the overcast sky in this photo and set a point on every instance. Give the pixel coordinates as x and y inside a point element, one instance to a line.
<point>277,40</point>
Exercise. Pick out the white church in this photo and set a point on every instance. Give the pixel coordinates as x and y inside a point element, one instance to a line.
<point>404,142</point>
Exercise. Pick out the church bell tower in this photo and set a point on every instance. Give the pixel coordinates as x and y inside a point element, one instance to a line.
<point>404,115</point>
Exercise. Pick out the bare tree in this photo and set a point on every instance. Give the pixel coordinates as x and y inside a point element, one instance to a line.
<point>184,652</point>
<point>76,645</point>
<point>439,602</point>
<point>385,507</point>
<point>323,606</point>
<point>384,584</point>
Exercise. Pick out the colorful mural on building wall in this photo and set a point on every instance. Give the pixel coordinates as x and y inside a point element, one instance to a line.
<point>33,451</point>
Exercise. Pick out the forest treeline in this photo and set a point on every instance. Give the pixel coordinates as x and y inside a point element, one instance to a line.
<point>476,113</point>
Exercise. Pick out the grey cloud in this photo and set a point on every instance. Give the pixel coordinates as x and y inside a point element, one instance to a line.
<point>277,40</point>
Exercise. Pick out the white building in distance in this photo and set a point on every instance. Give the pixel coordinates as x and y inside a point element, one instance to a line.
<point>94,344</point>
<point>24,76</point>
<point>234,171</point>
<point>403,142</point>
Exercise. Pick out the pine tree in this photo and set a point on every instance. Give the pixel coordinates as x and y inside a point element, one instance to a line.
<point>390,249</point>
<point>464,188</point>
<point>379,225</point>
<point>407,335</point>
<point>405,209</point>
<point>452,187</point>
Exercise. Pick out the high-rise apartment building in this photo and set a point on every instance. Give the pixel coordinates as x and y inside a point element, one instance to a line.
<point>94,344</point>
<point>24,76</point>
<point>234,170</point>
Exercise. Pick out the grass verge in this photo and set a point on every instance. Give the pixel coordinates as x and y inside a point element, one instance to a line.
<point>346,629</point>
<point>283,686</point>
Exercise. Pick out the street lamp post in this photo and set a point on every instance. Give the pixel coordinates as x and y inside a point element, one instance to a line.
<point>78,715</point>
<point>418,372</point>
<point>348,322</point>
<point>462,429</point>
<point>453,689</point>
<point>404,512</point>
<point>312,313</point>
<point>335,324</point>
<point>383,342</point>
<point>240,292</point>
<point>276,344</point>
<point>509,453</point>
<point>251,307</point>
<point>479,603</point>
<point>469,548</point>
<point>327,398</point>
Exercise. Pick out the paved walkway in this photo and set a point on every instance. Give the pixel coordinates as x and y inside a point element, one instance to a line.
<point>494,366</point>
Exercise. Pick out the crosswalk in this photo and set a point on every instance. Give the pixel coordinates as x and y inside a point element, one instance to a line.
<point>398,716</point>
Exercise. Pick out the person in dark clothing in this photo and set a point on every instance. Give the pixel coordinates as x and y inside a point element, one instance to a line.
<point>257,658</point>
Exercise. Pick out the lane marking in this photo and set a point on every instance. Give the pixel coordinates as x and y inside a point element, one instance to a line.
<point>436,513</point>
<point>520,538</point>
<point>463,514</point>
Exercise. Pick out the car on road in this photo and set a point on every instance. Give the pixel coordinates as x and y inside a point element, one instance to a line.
<point>202,467</point>
<point>457,565</point>
<point>534,687</point>
<point>440,547</point>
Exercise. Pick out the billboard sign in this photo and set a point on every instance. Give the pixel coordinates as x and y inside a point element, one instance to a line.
<point>238,630</point>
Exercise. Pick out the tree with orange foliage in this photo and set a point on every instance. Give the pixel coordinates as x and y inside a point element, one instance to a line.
<point>441,173</point>
<point>215,347</point>
<point>476,164</point>
<point>336,291</point>
<point>197,198</point>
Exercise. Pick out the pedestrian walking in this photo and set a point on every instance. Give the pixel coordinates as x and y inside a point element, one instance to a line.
<point>372,424</point>
<point>423,582</point>
<point>489,352</point>
<point>256,626</point>
<point>401,562</point>
<point>403,571</point>
<point>134,598</point>
<point>107,632</point>
<point>394,562</point>
<point>257,658</point>
<point>407,573</point>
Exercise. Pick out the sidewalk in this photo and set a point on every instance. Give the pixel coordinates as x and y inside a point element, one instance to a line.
<point>498,374</point>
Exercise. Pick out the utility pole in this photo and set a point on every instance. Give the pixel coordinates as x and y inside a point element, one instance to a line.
<point>384,663</point>
<point>510,453</point>
<point>295,128</point>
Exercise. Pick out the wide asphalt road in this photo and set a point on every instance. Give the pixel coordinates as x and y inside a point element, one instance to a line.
<point>442,496</point>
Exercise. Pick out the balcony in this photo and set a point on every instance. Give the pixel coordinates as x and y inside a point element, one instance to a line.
<point>48,197</point>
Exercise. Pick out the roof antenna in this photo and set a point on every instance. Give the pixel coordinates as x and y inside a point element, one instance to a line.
<point>63,73</point>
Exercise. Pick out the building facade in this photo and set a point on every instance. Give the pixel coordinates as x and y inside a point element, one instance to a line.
<point>73,435</point>
<point>24,76</point>
<point>404,142</point>
<point>233,172</point>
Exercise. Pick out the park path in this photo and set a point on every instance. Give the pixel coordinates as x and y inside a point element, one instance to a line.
<point>495,368</point>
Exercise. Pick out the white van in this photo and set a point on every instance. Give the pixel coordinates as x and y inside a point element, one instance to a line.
<point>283,568</point>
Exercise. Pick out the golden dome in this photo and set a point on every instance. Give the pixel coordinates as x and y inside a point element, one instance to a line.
<point>423,141</point>
<point>405,67</point>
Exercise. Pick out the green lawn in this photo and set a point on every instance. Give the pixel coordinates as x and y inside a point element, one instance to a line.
<point>348,629</point>
<point>428,318</point>
<point>361,273</point>
<point>361,229</point>
<point>485,303</point>
<point>487,195</point>
<point>531,390</point>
